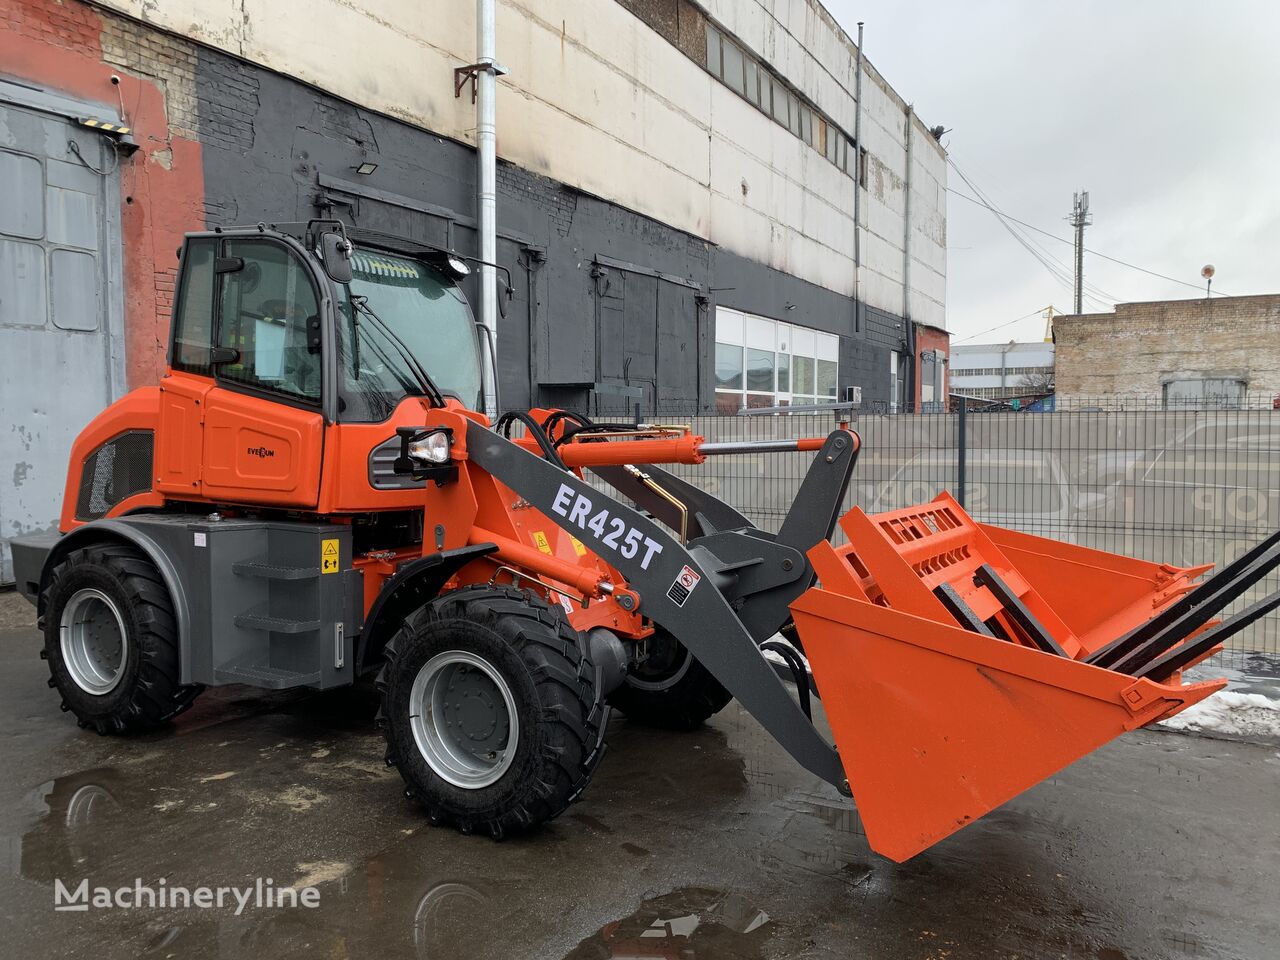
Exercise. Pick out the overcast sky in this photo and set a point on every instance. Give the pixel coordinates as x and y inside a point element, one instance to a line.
<point>1166,111</point>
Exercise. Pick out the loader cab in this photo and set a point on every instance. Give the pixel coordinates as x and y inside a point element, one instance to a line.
<point>268,350</point>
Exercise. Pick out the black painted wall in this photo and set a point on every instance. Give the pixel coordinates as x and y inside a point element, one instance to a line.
<point>597,296</point>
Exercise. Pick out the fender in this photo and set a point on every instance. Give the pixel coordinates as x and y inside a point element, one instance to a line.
<point>410,587</point>
<point>122,531</point>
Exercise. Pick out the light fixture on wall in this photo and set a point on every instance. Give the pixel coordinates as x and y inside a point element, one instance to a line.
<point>366,168</point>
<point>790,305</point>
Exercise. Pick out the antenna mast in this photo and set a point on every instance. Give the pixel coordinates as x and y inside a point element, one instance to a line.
<point>1080,218</point>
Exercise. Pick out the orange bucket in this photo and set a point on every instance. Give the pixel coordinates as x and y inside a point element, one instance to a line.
<point>951,661</point>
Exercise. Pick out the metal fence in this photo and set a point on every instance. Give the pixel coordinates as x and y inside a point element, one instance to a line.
<point>1182,487</point>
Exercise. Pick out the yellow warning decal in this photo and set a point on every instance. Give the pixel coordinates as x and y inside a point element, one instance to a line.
<point>578,547</point>
<point>540,539</point>
<point>329,555</point>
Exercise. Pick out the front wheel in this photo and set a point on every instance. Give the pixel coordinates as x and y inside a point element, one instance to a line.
<point>491,711</point>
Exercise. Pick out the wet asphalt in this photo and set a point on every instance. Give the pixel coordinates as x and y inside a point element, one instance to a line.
<point>710,845</point>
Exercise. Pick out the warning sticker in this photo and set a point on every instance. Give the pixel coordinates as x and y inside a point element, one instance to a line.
<point>578,547</point>
<point>683,585</point>
<point>329,555</point>
<point>541,541</point>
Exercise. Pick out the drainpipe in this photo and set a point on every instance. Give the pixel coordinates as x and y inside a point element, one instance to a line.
<point>916,361</point>
<point>487,190</point>
<point>857,189</point>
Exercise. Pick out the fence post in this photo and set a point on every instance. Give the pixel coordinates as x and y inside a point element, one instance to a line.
<point>962,443</point>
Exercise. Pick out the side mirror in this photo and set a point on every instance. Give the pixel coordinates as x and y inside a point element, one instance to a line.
<point>335,255</point>
<point>504,298</point>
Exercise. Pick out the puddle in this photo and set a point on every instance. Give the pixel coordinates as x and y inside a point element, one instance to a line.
<point>693,922</point>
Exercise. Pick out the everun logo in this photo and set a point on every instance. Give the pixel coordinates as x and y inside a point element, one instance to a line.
<point>263,895</point>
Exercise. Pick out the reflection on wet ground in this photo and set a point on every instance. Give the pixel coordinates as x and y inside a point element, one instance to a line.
<point>682,925</point>
<point>711,845</point>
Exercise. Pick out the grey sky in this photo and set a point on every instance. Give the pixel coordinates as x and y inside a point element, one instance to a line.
<point>1164,110</point>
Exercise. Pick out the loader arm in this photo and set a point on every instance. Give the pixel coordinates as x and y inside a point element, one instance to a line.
<point>677,589</point>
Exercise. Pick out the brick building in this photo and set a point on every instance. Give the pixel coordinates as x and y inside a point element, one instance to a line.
<point>1219,352</point>
<point>933,348</point>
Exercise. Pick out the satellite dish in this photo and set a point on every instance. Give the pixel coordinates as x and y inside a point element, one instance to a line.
<point>1207,271</point>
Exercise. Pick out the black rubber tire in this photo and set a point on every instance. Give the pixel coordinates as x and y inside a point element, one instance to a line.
<point>150,691</point>
<point>685,704</point>
<point>554,685</point>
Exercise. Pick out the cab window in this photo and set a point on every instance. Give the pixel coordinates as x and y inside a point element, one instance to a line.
<point>193,320</point>
<point>268,314</point>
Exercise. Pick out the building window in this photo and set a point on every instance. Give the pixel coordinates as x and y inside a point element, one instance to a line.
<point>748,77</point>
<point>897,383</point>
<point>932,373</point>
<point>767,363</point>
<point>1209,393</point>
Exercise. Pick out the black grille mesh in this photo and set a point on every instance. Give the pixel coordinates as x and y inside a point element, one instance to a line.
<point>118,469</point>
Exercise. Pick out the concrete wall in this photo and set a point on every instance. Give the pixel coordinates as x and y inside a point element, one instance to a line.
<point>598,100</point>
<point>1132,353</point>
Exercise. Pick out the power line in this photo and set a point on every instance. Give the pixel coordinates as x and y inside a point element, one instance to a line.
<point>1059,270</point>
<point>1055,267</point>
<point>1000,326</point>
<point>1054,236</point>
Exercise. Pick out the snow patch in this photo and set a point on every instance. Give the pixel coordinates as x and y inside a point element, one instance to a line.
<point>1238,716</point>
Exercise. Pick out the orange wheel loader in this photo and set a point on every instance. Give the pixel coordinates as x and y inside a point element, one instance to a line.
<point>309,496</point>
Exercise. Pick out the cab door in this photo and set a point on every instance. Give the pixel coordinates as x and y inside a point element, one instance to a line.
<point>263,425</point>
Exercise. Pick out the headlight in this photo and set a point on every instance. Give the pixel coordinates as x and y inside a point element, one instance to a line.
<point>433,448</point>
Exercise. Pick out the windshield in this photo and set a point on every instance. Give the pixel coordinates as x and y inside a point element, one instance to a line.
<point>422,309</point>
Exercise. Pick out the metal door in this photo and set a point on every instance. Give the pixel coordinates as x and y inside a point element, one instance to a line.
<point>61,356</point>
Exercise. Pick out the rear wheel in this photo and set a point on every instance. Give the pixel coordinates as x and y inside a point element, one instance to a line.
<point>111,640</point>
<point>670,688</point>
<point>490,710</point>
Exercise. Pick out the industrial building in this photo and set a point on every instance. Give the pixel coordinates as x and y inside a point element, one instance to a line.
<point>677,187</point>
<point>1204,353</point>
<point>1002,371</point>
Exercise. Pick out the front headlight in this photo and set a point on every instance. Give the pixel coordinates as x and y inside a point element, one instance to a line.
<point>433,448</point>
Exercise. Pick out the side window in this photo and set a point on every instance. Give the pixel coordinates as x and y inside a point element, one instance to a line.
<point>268,314</point>
<point>193,320</point>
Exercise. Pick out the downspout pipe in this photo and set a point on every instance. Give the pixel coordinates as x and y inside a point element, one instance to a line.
<point>487,189</point>
<point>915,391</point>
<point>857,190</point>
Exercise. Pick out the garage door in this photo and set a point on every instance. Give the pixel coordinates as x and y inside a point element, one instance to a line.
<point>60,357</point>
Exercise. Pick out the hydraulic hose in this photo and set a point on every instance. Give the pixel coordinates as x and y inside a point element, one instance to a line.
<point>798,671</point>
<point>503,426</point>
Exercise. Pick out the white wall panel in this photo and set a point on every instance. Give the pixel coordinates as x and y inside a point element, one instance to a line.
<point>598,100</point>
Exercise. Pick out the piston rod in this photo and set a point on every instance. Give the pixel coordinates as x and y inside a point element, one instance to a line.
<point>761,446</point>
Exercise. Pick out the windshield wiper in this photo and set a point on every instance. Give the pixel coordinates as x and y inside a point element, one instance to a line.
<point>361,303</point>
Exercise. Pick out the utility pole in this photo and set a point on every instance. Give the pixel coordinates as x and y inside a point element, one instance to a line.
<point>1080,219</point>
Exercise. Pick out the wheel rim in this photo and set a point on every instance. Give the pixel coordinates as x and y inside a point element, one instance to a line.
<point>95,644</point>
<point>464,719</point>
